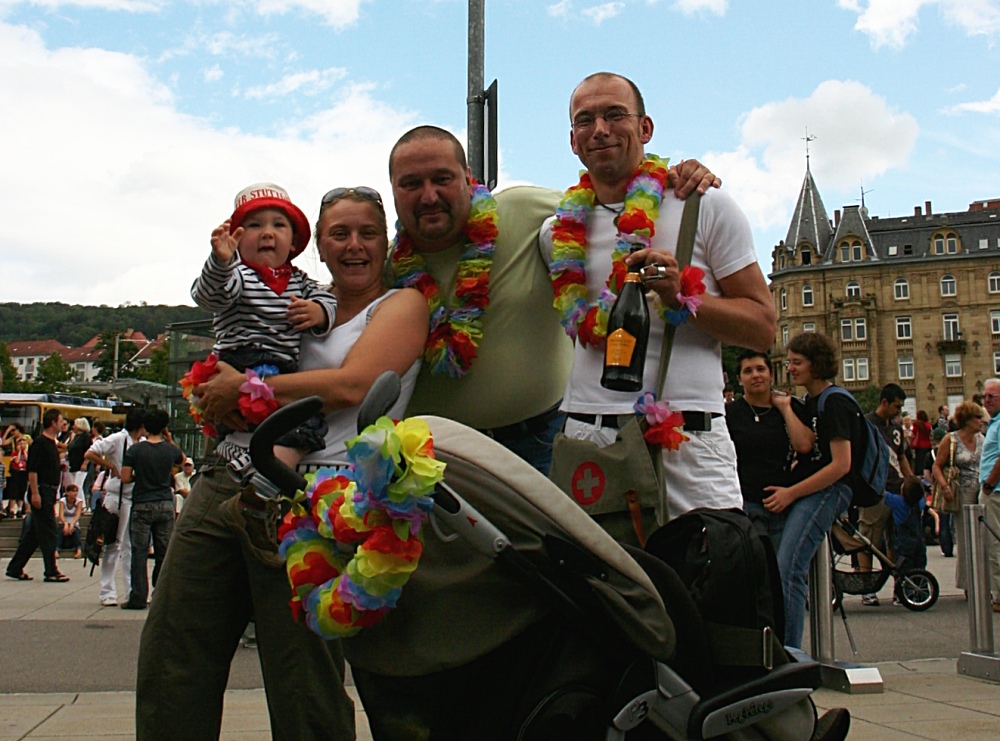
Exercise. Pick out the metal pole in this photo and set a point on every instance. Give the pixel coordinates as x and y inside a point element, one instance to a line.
<point>980,661</point>
<point>475,96</point>
<point>821,605</point>
<point>977,577</point>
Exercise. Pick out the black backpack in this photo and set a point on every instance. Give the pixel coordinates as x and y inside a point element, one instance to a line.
<point>869,455</point>
<point>731,572</point>
<point>102,530</point>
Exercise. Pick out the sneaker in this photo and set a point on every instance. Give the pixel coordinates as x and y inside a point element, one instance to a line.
<point>109,602</point>
<point>869,600</point>
<point>896,602</point>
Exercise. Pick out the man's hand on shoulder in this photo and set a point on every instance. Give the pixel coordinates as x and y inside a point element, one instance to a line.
<point>689,175</point>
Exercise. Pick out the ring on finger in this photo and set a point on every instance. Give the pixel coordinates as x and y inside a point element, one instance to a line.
<point>654,272</point>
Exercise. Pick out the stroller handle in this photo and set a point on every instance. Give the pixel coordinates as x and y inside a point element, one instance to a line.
<point>283,420</point>
<point>384,392</point>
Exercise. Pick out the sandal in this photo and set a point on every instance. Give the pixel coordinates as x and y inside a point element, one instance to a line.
<point>21,577</point>
<point>57,577</point>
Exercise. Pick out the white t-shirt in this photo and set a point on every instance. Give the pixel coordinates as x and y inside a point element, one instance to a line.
<point>330,352</point>
<point>723,246</point>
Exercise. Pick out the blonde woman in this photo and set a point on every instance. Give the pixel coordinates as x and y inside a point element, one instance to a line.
<point>968,441</point>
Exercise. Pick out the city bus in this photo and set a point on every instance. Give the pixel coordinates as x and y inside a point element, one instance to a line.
<point>28,409</point>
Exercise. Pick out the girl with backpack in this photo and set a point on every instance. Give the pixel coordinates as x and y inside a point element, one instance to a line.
<point>822,492</point>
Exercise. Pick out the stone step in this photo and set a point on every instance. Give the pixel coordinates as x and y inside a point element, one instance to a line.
<point>10,535</point>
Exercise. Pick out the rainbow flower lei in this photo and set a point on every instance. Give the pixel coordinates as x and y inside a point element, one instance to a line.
<point>456,325</point>
<point>376,509</point>
<point>256,401</point>
<point>567,270</point>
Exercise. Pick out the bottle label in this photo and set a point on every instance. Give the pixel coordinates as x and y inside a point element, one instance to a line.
<point>619,348</point>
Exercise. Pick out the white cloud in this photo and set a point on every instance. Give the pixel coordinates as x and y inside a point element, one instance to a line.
<point>765,171</point>
<point>212,74</point>
<point>130,6</point>
<point>983,106</point>
<point>559,9</point>
<point>691,7</point>
<point>892,22</point>
<point>337,13</point>
<point>312,82</point>
<point>116,192</point>
<point>600,13</point>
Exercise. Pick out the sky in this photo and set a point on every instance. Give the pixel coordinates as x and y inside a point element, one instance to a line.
<point>128,126</point>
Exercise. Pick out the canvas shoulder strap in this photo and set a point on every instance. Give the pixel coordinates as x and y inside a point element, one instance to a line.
<point>683,252</point>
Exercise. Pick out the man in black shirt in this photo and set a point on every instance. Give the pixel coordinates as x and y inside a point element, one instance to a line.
<point>149,464</point>
<point>876,521</point>
<point>44,474</point>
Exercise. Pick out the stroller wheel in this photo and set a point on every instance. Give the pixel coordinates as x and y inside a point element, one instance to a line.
<point>917,590</point>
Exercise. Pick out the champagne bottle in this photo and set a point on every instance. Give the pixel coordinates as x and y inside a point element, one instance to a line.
<point>628,335</point>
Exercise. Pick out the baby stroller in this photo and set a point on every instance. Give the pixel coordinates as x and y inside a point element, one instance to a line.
<point>525,620</point>
<point>916,589</point>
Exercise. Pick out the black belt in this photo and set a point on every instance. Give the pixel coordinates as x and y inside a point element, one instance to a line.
<point>531,426</point>
<point>693,421</point>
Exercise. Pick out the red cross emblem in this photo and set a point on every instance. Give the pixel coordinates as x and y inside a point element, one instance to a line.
<point>587,483</point>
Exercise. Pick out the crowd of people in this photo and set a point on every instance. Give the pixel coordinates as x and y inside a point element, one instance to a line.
<point>461,308</point>
<point>68,460</point>
<point>794,468</point>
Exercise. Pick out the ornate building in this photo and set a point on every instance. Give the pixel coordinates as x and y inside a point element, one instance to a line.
<point>913,300</point>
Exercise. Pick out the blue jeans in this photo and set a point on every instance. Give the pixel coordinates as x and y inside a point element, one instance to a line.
<point>773,522</point>
<point>536,448</point>
<point>148,520</point>
<point>809,520</point>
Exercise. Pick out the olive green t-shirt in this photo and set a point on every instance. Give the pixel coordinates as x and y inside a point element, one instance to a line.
<point>524,357</point>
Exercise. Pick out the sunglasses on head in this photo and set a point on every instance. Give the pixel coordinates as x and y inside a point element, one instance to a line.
<point>362,190</point>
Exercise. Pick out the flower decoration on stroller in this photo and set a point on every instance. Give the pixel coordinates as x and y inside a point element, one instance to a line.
<point>349,554</point>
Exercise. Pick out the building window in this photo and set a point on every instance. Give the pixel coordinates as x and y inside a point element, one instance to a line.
<point>809,327</point>
<point>807,295</point>
<point>907,249</point>
<point>996,364</point>
<point>939,245</point>
<point>995,322</point>
<point>845,252</point>
<point>904,329</point>
<point>994,282</point>
<point>781,262</point>
<point>856,254</point>
<point>807,257</point>
<point>893,250</point>
<point>853,289</point>
<point>984,244</point>
<point>905,365</point>
<point>860,329</point>
<point>862,364</point>
<point>951,329</point>
<point>784,299</point>
<point>949,287</point>
<point>848,369</point>
<point>846,330</point>
<point>901,289</point>
<point>951,242</point>
<point>784,335</point>
<point>953,366</point>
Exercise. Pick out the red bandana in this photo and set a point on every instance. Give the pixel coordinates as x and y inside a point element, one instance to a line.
<point>275,278</point>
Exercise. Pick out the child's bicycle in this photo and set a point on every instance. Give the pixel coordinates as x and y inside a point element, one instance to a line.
<point>916,589</point>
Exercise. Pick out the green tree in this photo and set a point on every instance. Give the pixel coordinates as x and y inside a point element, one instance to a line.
<point>52,374</point>
<point>8,373</point>
<point>106,360</point>
<point>868,398</point>
<point>156,371</point>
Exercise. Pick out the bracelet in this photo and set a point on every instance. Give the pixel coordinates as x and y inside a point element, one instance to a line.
<point>257,400</point>
<point>692,288</point>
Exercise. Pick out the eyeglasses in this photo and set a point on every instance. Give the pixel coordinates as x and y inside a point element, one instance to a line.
<point>613,117</point>
<point>991,396</point>
<point>362,190</point>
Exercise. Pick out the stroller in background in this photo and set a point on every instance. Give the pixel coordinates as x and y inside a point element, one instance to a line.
<point>525,620</point>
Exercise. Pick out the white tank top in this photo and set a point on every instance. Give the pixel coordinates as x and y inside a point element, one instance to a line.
<point>330,352</point>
